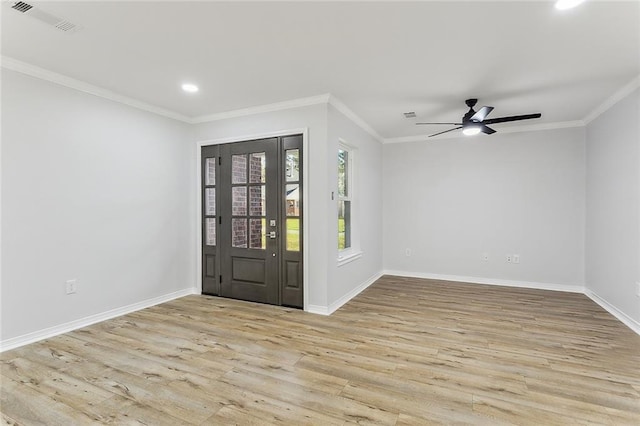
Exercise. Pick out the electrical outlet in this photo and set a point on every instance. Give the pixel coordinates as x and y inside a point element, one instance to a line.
<point>485,257</point>
<point>407,252</point>
<point>72,286</point>
<point>516,258</point>
<point>509,258</point>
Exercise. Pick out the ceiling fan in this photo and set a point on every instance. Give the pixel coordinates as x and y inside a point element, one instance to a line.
<point>475,122</point>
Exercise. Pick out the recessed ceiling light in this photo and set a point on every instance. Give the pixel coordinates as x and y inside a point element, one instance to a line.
<point>471,130</point>
<point>567,4</point>
<point>190,88</point>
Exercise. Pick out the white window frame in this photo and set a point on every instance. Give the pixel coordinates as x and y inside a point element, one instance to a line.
<point>353,252</point>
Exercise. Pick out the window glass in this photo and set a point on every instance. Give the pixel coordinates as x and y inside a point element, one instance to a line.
<point>210,171</point>
<point>293,234</point>
<point>239,168</point>
<point>210,226</point>
<point>257,201</point>
<point>210,201</point>
<point>239,201</point>
<point>292,165</point>
<point>344,224</point>
<point>344,198</point>
<point>257,234</point>
<point>343,175</point>
<point>257,167</point>
<point>239,232</point>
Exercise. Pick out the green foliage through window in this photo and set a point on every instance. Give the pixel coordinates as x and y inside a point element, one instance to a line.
<point>344,200</point>
<point>343,179</point>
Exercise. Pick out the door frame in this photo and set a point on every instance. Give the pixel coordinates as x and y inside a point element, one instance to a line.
<point>305,190</point>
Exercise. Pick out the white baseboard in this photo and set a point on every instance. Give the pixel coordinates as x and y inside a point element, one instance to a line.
<point>47,333</point>
<point>353,293</point>
<point>318,309</point>
<point>328,310</point>
<point>25,339</point>
<point>490,281</point>
<point>621,316</point>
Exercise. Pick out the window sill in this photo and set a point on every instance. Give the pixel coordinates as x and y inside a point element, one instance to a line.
<point>348,257</point>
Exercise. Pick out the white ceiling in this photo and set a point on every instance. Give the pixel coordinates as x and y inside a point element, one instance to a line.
<point>381,58</point>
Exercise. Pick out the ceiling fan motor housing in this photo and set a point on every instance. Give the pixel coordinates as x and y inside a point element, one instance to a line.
<point>467,117</point>
<point>471,102</point>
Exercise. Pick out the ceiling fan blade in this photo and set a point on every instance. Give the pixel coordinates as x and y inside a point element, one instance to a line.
<point>511,118</point>
<point>450,124</point>
<point>482,113</point>
<point>487,130</point>
<point>450,130</point>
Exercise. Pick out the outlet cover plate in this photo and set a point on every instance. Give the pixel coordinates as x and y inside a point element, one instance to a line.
<point>71,286</point>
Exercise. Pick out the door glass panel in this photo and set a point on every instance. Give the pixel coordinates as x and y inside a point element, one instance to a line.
<point>293,234</point>
<point>257,233</point>
<point>210,201</point>
<point>293,200</point>
<point>239,232</point>
<point>257,167</point>
<point>292,164</point>
<point>239,201</point>
<point>257,201</point>
<point>210,231</point>
<point>239,168</point>
<point>210,171</point>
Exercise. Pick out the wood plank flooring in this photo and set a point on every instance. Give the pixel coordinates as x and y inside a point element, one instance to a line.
<point>403,352</point>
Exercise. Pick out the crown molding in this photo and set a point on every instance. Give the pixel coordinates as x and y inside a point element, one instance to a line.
<point>613,99</point>
<point>506,130</point>
<point>340,106</point>
<point>12,64</point>
<point>278,106</point>
<point>326,98</point>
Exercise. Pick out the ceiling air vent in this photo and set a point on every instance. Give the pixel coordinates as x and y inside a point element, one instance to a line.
<point>46,17</point>
<point>66,26</point>
<point>410,114</point>
<point>21,6</point>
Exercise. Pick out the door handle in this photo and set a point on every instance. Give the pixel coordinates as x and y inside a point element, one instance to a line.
<point>272,235</point>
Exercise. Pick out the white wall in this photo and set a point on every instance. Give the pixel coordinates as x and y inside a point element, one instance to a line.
<point>314,118</point>
<point>92,190</point>
<point>367,207</point>
<point>451,200</point>
<point>613,206</point>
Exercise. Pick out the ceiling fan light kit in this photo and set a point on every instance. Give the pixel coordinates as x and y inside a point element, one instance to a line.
<point>474,122</point>
<point>471,130</point>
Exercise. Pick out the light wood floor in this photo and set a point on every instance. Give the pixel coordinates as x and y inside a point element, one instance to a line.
<point>403,352</point>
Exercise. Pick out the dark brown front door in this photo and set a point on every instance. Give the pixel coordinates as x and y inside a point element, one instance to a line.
<point>252,220</point>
